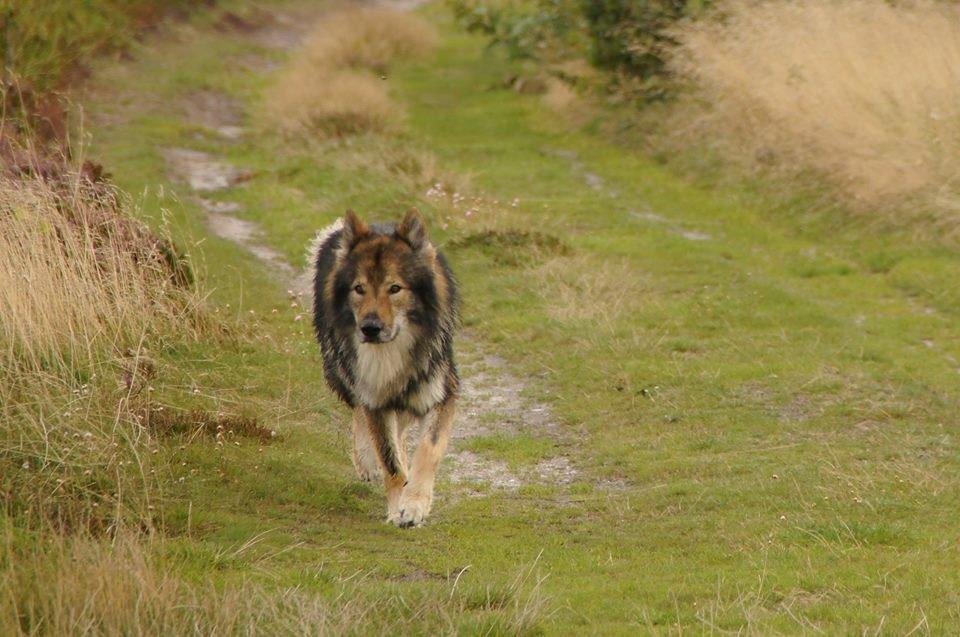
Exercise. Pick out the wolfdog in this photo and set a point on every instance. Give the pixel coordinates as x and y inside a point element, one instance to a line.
<point>385,309</point>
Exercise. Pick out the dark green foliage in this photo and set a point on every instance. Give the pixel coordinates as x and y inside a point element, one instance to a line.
<point>631,35</point>
<point>628,37</point>
<point>525,29</point>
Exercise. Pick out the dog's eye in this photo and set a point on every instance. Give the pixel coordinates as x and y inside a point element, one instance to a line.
<point>358,289</point>
<point>394,288</point>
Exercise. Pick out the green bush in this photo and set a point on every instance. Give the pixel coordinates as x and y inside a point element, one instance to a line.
<point>632,36</point>
<point>627,37</point>
<point>536,29</point>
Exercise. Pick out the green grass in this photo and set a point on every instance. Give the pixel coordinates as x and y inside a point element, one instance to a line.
<point>776,405</point>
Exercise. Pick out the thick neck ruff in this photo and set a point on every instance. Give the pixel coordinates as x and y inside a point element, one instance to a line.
<point>383,369</point>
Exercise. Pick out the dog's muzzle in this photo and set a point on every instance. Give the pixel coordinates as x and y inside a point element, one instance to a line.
<point>374,331</point>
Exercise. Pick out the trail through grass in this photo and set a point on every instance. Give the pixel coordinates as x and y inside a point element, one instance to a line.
<point>758,416</point>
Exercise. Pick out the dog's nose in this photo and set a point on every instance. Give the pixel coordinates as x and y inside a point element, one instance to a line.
<point>371,328</point>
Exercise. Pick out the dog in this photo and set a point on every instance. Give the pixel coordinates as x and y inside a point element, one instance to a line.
<point>385,309</point>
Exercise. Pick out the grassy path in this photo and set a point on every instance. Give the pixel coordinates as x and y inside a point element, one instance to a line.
<point>756,412</point>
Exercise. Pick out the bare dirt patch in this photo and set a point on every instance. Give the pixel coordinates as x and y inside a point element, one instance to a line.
<point>281,31</point>
<point>214,111</point>
<point>201,171</point>
<point>206,174</point>
<point>245,233</point>
<point>592,179</point>
<point>494,401</point>
<point>467,468</point>
<point>673,226</point>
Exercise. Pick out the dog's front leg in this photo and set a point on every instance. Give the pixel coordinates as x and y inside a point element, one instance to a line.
<point>417,498</point>
<point>383,434</point>
<point>366,459</point>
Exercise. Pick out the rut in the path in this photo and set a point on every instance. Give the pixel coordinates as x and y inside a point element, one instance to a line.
<point>494,400</point>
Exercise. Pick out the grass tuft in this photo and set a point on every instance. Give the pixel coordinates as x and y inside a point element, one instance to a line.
<point>369,38</point>
<point>327,103</point>
<point>513,247</point>
<point>335,87</point>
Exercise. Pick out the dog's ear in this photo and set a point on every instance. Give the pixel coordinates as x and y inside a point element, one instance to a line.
<point>413,230</point>
<point>353,229</point>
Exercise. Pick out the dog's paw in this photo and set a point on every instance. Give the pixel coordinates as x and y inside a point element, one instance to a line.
<point>413,511</point>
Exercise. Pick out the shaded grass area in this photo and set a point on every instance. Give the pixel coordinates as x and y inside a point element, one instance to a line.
<point>778,401</point>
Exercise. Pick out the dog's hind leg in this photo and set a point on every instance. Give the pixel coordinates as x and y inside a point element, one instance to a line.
<point>365,459</point>
<point>383,433</point>
<point>417,497</point>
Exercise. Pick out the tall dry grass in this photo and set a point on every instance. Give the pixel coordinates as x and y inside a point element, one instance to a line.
<point>84,291</point>
<point>864,91</point>
<point>77,278</point>
<point>334,87</point>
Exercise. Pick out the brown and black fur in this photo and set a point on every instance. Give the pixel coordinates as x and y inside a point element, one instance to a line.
<point>385,310</point>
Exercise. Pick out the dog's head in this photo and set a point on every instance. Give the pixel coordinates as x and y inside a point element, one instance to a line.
<point>386,277</point>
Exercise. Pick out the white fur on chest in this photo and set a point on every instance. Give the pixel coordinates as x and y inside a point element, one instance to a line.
<point>383,369</point>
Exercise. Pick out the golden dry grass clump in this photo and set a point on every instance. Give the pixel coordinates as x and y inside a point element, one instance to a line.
<point>369,38</point>
<point>863,90</point>
<point>330,103</point>
<point>334,87</point>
